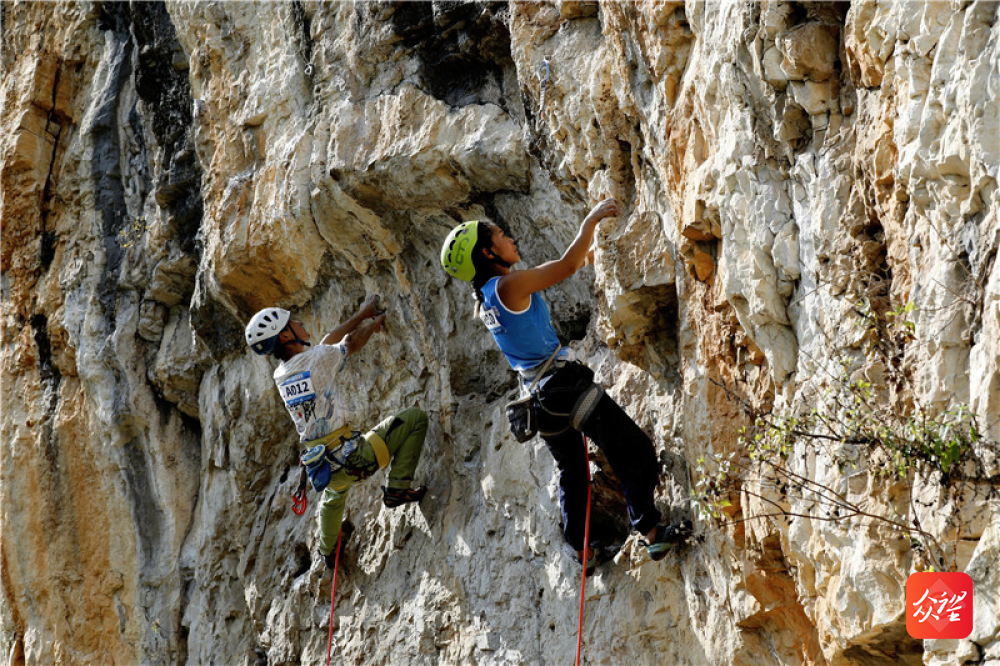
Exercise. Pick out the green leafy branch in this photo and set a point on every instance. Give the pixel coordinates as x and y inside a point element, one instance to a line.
<point>852,426</point>
<point>765,476</point>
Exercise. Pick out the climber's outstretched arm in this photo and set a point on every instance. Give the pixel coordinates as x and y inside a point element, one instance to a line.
<point>516,287</point>
<point>358,338</point>
<point>368,310</point>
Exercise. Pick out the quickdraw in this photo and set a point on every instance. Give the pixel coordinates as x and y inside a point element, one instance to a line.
<point>300,502</point>
<point>544,74</point>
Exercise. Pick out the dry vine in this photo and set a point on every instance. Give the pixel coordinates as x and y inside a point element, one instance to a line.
<point>852,427</point>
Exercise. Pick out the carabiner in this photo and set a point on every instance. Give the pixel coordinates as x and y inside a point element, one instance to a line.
<point>544,66</point>
<point>299,502</point>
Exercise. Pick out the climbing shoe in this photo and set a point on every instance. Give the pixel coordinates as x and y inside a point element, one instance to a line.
<point>667,538</point>
<point>598,554</point>
<point>393,497</point>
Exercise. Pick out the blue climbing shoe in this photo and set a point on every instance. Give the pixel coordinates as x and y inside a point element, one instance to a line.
<point>667,538</point>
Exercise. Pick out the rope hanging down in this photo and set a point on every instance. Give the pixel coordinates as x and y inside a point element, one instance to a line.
<point>333,597</point>
<point>586,551</point>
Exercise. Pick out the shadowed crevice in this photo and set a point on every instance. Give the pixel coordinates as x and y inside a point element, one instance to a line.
<point>463,47</point>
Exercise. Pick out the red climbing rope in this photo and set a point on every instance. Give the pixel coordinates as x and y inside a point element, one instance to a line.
<point>333,596</point>
<point>586,551</point>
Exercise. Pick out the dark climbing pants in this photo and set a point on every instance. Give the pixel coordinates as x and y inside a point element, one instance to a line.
<point>628,450</point>
<point>403,434</point>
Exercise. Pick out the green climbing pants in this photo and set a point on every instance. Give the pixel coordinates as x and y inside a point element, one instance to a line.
<point>403,434</point>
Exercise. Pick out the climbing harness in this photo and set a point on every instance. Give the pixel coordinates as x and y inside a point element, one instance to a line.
<point>586,550</point>
<point>379,447</point>
<point>585,406</point>
<point>521,413</point>
<point>333,597</point>
<point>328,454</point>
<point>316,465</point>
<point>544,74</point>
<point>569,396</point>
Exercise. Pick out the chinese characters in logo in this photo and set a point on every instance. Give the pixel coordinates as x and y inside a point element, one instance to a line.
<point>939,605</point>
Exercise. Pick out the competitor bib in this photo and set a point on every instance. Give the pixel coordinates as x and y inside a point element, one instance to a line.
<point>297,389</point>
<point>489,317</point>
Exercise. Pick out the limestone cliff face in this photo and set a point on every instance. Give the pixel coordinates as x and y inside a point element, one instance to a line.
<point>168,169</point>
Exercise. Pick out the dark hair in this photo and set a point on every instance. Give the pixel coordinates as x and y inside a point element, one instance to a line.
<point>484,266</point>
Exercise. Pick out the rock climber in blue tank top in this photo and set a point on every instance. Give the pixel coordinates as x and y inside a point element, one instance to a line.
<point>512,308</point>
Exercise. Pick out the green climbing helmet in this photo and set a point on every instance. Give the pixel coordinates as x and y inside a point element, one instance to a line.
<point>456,253</point>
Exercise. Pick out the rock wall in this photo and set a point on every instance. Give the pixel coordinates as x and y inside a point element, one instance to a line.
<point>169,168</point>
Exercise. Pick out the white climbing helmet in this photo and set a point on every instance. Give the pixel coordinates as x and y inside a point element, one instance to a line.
<point>263,329</point>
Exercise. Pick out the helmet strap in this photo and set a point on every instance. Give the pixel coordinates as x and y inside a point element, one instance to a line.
<point>300,340</point>
<point>282,345</point>
<point>497,260</point>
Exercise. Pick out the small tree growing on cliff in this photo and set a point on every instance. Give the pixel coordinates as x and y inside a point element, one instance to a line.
<point>859,430</point>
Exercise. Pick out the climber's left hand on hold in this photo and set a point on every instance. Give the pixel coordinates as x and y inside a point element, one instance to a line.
<point>370,308</point>
<point>359,337</point>
<point>606,208</point>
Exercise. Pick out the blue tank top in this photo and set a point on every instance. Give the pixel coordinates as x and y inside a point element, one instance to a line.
<point>526,338</point>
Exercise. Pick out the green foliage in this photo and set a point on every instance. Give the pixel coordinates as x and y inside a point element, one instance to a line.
<point>852,423</point>
<point>715,480</point>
